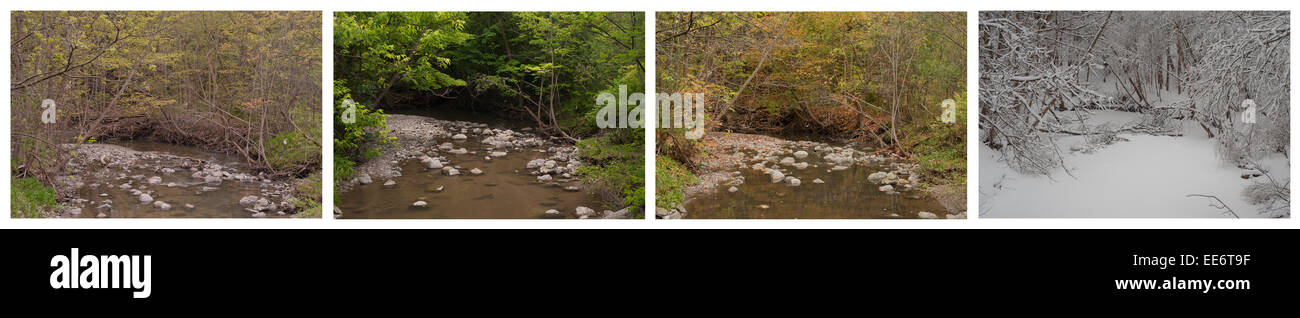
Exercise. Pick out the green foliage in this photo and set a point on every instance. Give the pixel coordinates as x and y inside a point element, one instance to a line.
<point>671,179</point>
<point>307,196</point>
<point>942,153</point>
<point>615,162</point>
<point>375,50</point>
<point>31,199</point>
<point>343,167</point>
<point>364,137</point>
<point>296,148</point>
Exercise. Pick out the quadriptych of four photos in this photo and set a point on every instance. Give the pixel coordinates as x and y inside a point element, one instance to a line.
<point>541,115</point>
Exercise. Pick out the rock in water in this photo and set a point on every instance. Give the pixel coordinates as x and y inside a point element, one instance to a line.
<point>420,204</point>
<point>801,154</point>
<point>475,171</point>
<point>450,171</point>
<point>552,212</point>
<point>248,201</point>
<point>432,163</point>
<point>498,153</point>
<point>155,180</point>
<point>838,168</point>
<point>585,211</point>
<point>787,161</point>
<point>886,188</point>
<point>926,215</point>
<point>818,181</point>
<point>733,189</point>
<point>390,183</point>
<point>801,165</point>
<point>213,180</point>
<point>162,205</point>
<point>544,178</point>
<point>364,178</point>
<point>776,175</point>
<point>458,137</point>
<point>145,198</point>
<point>877,177</point>
<point>794,182</point>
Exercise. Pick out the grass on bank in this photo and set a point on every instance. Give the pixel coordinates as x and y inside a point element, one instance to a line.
<point>31,199</point>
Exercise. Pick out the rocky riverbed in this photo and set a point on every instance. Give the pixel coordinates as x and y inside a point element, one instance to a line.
<point>755,176</point>
<point>116,181</point>
<point>460,169</point>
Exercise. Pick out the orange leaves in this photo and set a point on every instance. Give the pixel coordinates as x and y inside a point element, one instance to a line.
<point>253,105</point>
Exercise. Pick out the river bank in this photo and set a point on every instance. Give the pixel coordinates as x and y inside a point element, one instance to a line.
<point>757,176</point>
<point>108,180</point>
<point>460,169</point>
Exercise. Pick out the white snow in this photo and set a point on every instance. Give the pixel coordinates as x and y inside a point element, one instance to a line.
<point>1148,176</point>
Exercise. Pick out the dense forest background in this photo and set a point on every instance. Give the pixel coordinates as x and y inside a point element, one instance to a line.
<point>545,68</point>
<point>1200,66</point>
<point>877,77</point>
<point>246,83</point>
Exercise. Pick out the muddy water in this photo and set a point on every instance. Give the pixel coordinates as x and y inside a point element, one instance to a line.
<point>147,145</point>
<point>505,190</point>
<point>219,201</point>
<point>846,194</point>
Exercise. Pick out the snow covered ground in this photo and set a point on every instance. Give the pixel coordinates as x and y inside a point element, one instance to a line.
<point>1147,176</point>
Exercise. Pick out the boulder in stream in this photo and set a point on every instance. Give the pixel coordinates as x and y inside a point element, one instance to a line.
<point>475,172</point>
<point>535,163</point>
<point>431,163</point>
<point>420,204</point>
<point>213,180</point>
<point>585,211</point>
<point>155,180</point>
<point>877,177</point>
<point>776,175</point>
<point>145,198</point>
<point>801,154</point>
<point>248,201</point>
